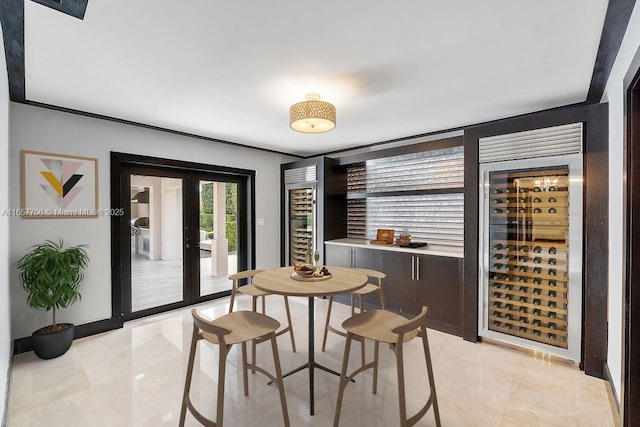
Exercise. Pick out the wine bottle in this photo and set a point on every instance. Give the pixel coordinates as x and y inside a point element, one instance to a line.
<point>553,250</point>
<point>497,265</point>
<point>497,191</point>
<point>552,283</point>
<point>552,272</point>
<point>552,315</point>
<point>537,190</point>
<point>552,188</point>
<point>537,249</point>
<point>507,190</point>
<point>522,200</point>
<point>552,304</point>
<point>552,325</point>
<point>552,199</point>
<point>537,210</point>
<point>522,279</point>
<point>536,322</point>
<point>497,201</point>
<point>552,261</point>
<point>552,337</point>
<point>497,256</point>
<point>536,291</point>
<point>523,190</point>
<point>552,294</point>
<point>522,210</point>
<point>498,246</point>
<point>552,210</point>
<point>524,248</point>
<point>497,211</point>
<point>537,200</point>
<point>537,281</point>
<point>524,259</point>
<point>523,329</point>
<point>523,268</point>
<point>537,260</point>
<point>536,333</point>
<point>537,270</point>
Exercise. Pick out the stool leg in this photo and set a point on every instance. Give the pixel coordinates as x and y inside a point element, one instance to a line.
<point>221,372</point>
<point>187,382</point>
<point>402,403</point>
<point>233,298</point>
<point>376,347</point>
<point>343,379</point>
<point>263,305</point>
<point>326,324</point>
<point>362,348</point>
<point>286,306</point>
<point>432,384</point>
<point>244,368</point>
<point>279,382</point>
<point>254,307</point>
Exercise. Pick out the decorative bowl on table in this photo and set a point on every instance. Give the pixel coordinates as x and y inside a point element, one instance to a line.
<point>304,269</point>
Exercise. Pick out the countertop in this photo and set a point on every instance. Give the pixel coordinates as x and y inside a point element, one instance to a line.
<point>436,250</point>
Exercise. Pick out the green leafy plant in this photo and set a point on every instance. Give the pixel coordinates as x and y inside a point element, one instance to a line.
<point>51,275</point>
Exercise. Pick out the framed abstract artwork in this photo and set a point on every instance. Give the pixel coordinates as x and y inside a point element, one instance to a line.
<point>59,186</point>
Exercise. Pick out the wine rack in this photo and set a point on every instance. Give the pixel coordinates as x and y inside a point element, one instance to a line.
<point>301,202</point>
<point>528,255</point>
<point>301,234</point>
<point>300,244</point>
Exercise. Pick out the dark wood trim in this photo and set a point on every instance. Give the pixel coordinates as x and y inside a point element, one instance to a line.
<point>615,25</point>
<point>595,267</point>
<point>469,293</point>
<point>437,144</point>
<point>595,288</point>
<point>147,126</point>
<point>122,165</point>
<point>456,190</point>
<point>12,18</point>
<point>75,8</point>
<point>630,388</point>
<point>22,345</point>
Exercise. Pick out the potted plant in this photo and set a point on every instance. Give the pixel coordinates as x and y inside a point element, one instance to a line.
<point>51,275</point>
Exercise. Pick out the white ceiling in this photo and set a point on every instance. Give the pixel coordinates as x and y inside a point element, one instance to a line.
<point>393,68</point>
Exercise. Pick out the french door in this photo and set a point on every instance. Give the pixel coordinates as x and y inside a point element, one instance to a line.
<point>185,230</point>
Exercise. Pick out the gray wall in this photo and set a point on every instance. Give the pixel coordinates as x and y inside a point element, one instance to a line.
<point>5,319</point>
<point>51,131</point>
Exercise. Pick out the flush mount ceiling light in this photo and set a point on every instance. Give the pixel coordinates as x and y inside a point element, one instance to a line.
<point>312,115</point>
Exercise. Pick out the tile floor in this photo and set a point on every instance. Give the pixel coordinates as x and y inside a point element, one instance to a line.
<point>134,377</point>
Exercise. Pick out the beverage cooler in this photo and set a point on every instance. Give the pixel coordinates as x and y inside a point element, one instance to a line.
<point>301,222</point>
<point>531,253</point>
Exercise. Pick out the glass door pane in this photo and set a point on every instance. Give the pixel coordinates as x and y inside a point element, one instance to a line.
<point>156,242</point>
<point>529,246</point>
<point>218,235</point>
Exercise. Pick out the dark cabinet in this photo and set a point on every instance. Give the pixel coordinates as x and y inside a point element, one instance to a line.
<point>414,280</point>
<point>350,257</point>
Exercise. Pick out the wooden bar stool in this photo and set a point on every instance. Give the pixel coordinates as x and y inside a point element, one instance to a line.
<point>255,293</point>
<point>387,327</point>
<point>230,329</point>
<point>369,288</point>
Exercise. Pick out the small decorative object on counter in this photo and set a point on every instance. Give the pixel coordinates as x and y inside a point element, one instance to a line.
<point>404,239</point>
<point>384,237</point>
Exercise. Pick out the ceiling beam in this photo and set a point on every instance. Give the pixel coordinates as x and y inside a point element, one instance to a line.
<point>615,25</point>
<point>75,8</point>
<point>12,19</point>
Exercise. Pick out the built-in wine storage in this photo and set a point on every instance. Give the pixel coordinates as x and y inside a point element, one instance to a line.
<point>528,256</point>
<point>301,222</point>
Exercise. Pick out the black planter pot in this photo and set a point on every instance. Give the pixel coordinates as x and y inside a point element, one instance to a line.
<point>49,345</point>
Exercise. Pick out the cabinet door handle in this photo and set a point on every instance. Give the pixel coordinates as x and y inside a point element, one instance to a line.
<point>413,268</point>
<point>417,268</point>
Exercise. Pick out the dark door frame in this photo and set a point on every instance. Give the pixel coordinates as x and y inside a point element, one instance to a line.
<point>192,173</point>
<point>630,388</point>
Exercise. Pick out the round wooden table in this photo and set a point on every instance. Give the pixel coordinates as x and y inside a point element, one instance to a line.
<point>279,281</point>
